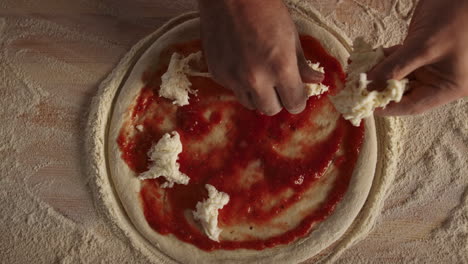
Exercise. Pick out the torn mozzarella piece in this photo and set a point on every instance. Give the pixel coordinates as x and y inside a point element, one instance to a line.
<point>164,157</point>
<point>359,103</point>
<point>207,211</point>
<point>314,89</point>
<point>140,128</point>
<point>355,102</point>
<point>175,84</point>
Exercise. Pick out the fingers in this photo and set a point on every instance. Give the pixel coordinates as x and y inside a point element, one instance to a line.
<point>419,99</point>
<point>266,101</point>
<point>293,96</point>
<point>270,91</point>
<point>254,93</point>
<point>258,92</point>
<point>402,61</point>
<point>380,84</point>
<point>270,99</point>
<point>288,92</point>
<point>290,89</point>
<point>388,51</point>
<point>244,98</point>
<point>307,74</point>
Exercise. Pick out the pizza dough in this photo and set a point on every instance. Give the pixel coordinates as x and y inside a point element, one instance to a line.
<point>167,247</point>
<point>128,187</point>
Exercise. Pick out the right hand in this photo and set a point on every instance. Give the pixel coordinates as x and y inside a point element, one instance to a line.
<point>434,56</point>
<point>252,47</point>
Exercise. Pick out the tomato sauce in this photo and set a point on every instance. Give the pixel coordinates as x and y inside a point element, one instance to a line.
<point>249,136</point>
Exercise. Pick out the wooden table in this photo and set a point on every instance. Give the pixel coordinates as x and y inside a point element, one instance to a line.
<point>66,67</point>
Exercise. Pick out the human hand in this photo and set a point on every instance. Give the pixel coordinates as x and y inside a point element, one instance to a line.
<point>252,47</point>
<point>434,57</point>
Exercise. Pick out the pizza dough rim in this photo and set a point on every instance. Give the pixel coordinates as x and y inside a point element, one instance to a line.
<point>127,188</point>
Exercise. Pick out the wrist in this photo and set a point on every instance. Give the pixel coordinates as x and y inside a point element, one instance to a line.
<point>235,4</point>
<point>223,2</point>
<point>207,5</point>
<point>242,11</point>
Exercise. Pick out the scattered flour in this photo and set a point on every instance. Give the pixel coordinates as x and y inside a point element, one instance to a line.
<point>424,219</point>
<point>47,210</point>
<point>48,214</point>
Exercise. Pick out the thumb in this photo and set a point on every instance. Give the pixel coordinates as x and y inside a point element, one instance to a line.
<point>428,90</point>
<point>419,99</point>
<point>308,75</point>
<point>401,61</point>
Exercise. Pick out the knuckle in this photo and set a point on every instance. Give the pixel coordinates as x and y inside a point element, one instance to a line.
<point>250,78</point>
<point>273,52</point>
<point>428,49</point>
<point>392,73</point>
<point>281,63</point>
<point>286,66</point>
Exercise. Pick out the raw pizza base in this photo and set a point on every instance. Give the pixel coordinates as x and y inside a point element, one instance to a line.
<point>168,248</point>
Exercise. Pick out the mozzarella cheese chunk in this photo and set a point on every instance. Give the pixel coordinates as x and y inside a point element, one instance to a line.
<point>314,89</point>
<point>140,128</point>
<point>164,157</point>
<point>355,102</point>
<point>207,211</point>
<point>175,84</point>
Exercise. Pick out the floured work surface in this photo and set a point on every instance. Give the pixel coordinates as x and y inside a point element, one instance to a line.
<point>55,54</point>
<point>295,182</point>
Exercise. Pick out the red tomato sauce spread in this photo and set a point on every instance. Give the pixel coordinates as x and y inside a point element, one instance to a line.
<point>250,136</point>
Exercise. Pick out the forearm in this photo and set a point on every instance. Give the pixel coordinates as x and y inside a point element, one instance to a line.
<point>238,7</point>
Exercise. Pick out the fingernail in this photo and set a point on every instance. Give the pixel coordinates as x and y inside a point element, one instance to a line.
<point>298,110</point>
